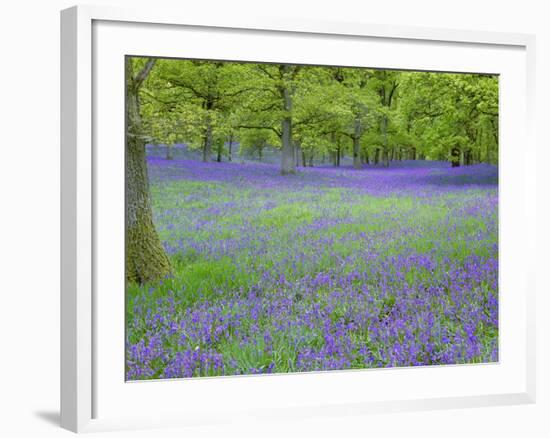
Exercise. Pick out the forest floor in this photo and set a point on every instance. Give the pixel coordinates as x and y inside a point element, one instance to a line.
<point>332,268</point>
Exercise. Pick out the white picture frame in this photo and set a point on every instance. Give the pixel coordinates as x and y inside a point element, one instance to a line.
<point>90,392</point>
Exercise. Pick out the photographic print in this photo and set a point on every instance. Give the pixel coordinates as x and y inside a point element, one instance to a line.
<point>294,218</point>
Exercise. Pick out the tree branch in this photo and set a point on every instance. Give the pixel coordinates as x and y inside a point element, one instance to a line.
<point>142,75</point>
<point>260,127</point>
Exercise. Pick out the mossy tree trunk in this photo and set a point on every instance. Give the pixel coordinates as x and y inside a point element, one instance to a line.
<point>146,259</point>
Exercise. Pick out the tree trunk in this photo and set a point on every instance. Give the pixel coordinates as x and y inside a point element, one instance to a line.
<point>356,157</point>
<point>146,259</point>
<point>357,130</point>
<point>455,157</point>
<point>468,157</point>
<point>288,162</point>
<point>230,146</point>
<point>385,159</point>
<point>219,153</point>
<point>304,162</point>
<point>207,148</point>
<point>385,154</point>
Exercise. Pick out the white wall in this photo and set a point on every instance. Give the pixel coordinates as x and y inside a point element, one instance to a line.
<point>29,218</point>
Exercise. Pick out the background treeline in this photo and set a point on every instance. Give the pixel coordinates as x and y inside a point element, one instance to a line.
<point>314,114</point>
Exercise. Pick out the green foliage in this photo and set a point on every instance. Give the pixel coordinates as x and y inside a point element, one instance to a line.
<point>446,111</point>
<point>391,115</point>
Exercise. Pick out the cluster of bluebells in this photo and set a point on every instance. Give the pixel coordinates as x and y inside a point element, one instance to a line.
<point>329,269</point>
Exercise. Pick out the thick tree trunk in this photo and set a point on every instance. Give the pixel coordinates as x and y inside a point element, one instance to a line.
<point>288,162</point>
<point>146,259</point>
<point>219,153</point>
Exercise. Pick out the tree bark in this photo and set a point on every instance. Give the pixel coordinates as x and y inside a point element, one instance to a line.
<point>357,131</point>
<point>332,154</point>
<point>385,154</point>
<point>146,259</point>
<point>288,162</point>
<point>455,157</point>
<point>230,146</point>
<point>356,157</point>
<point>297,153</point>
<point>207,148</point>
<point>385,157</point>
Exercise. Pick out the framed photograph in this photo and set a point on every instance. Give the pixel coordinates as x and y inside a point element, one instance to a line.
<point>280,217</point>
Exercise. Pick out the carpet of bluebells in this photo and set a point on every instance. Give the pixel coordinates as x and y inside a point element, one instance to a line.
<point>333,268</point>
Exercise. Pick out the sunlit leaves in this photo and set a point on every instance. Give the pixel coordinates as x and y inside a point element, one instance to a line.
<point>428,113</point>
